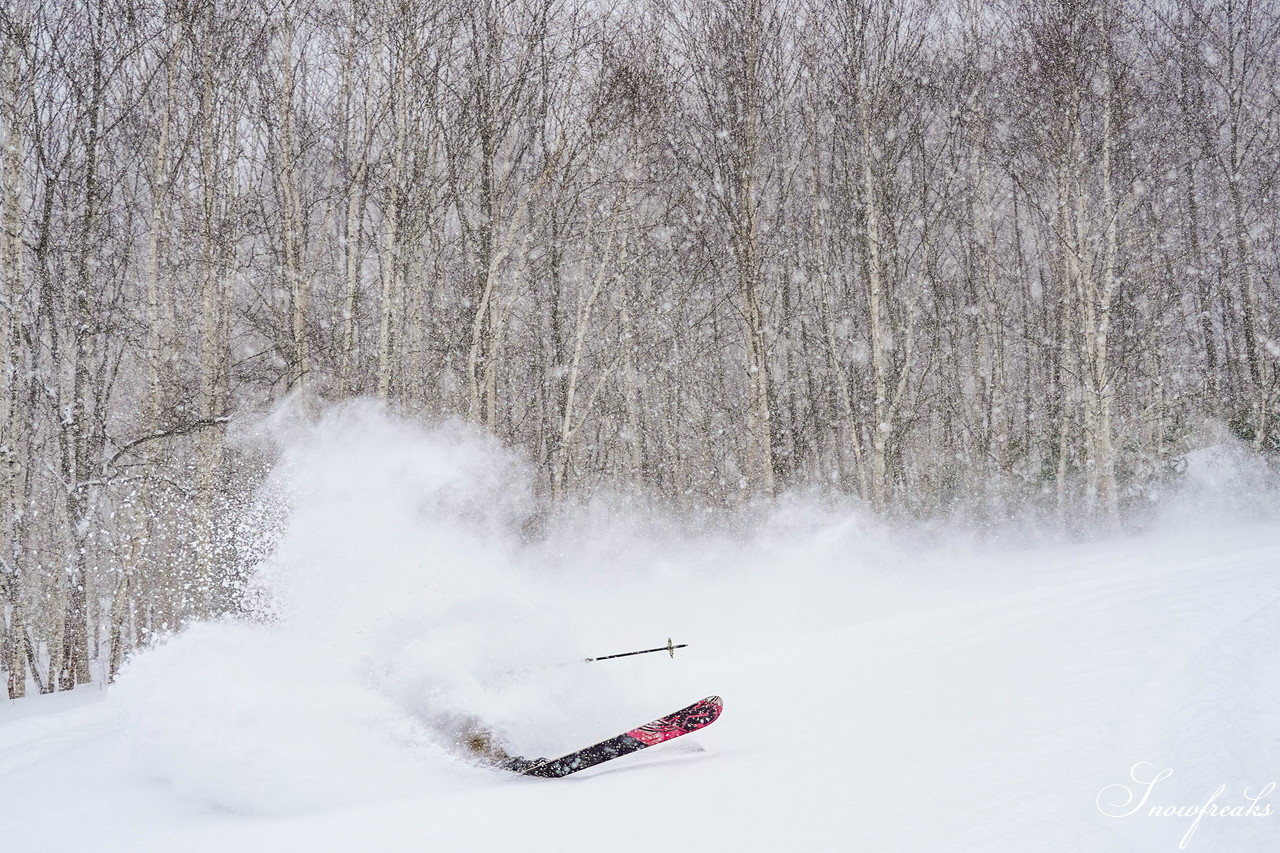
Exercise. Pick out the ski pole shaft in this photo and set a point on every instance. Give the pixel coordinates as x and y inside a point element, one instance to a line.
<point>670,648</point>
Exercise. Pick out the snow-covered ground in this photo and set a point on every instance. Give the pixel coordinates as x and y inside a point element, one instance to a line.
<point>883,691</point>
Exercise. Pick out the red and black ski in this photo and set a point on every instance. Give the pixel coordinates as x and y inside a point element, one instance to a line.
<point>698,715</point>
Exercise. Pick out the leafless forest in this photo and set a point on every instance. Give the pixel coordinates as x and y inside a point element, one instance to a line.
<point>973,257</point>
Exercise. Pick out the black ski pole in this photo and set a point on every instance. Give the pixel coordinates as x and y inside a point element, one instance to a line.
<point>669,648</point>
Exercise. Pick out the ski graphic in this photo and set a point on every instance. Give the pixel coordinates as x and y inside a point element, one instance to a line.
<point>697,716</point>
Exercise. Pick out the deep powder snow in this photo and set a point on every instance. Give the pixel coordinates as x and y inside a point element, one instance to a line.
<point>883,690</point>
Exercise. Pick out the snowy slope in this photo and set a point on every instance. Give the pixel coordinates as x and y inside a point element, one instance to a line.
<point>881,693</point>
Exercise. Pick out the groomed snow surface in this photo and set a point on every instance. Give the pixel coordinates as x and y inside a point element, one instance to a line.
<point>884,691</point>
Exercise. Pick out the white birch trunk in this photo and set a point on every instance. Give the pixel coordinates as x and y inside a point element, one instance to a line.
<point>879,328</point>
<point>569,419</point>
<point>297,284</point>
<point>13,442</point>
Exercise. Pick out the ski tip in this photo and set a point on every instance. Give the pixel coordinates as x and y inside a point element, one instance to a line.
<point>699,715</point>
<point>707,711</point>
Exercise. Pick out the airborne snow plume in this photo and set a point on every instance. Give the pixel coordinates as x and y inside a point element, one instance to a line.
<point>405,601</point>
<point>396,607</point>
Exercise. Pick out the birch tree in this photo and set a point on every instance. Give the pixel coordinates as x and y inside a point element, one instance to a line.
<point>1243,46</point>
<point>733,54</point>
<point>14,411</point>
